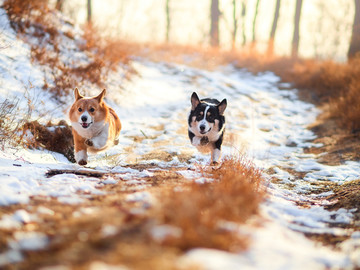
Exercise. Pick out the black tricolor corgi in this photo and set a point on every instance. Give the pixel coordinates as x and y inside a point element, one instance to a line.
<point>207,125</point>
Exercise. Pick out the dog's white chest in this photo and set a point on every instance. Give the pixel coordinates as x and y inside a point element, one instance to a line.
<point>96,129</point>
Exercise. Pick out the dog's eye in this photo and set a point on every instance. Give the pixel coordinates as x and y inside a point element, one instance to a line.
<point>210,117</point>
<point>92,110</point>
<point>80,110</point>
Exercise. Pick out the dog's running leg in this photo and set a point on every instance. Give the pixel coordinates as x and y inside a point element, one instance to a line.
<point>215,155</point>
<point>216,152</point>
<point>80,149</point>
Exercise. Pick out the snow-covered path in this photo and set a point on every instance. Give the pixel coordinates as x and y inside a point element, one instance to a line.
<point>266,124</point>
<point>269,126</point>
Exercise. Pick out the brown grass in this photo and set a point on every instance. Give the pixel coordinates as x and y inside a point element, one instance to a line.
<point>233,196</point>
<point>53,137</point>
<point>333,86</point>
<point>346,109</point>
<point>8,127</point>
<point>321,82</point>
<point>10,124</point>
<point>38,25</point>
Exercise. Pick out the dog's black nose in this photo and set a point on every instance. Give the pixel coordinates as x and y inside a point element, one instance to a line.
<point>84,118</point>
<point>202,128</point>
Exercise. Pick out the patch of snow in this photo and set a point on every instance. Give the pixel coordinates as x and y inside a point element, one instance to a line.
<point>141,196</point>
<point>22,216</point>
<point>190,174</point>
<point>45,211</point>
<point>110,181</point>
<point>9,257</point>
<point>109,230</point>
<point>161,232</point>
<point>85,211</point>
<point>29,241</point>
<point>8,222</point>
<point>265,253</point>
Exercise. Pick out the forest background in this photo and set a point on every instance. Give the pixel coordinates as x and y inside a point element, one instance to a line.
<point>313,29</point>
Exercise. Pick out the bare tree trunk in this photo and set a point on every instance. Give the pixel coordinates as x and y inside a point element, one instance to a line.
<point>235,24</point>
<point>214,29</point>
<point>254,22</point>
<point>59,4</point>
<point>167,8</point>
<point>354,47</point>
<point>243,15</point>
<point>270,49</point>
<point>89,12</point>
<point>296,35</point>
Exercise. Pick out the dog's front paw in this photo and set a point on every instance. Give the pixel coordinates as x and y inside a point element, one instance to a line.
<point>89,143</point>
<point>82,162</point>
<point>81,157</point>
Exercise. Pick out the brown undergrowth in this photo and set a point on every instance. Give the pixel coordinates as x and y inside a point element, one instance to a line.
<point>334,87</point>
<point>202,211</point>
<point>53,137</point>
<point>49,35</point>
<point>10,122</point>
<point>9,125</point>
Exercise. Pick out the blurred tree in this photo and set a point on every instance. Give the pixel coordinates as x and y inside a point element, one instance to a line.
<point>214,28</point>
<point>243,15</point>
<point>59,4</point>
<point>89,11</point>
<point>254,22</point>
<point>354,47</point>
<point>296,35</point>
<point>235,24</point>
<point>167,9</point>
<point>270,49</point>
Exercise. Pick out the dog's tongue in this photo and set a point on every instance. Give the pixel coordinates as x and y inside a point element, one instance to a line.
<point>84,125</point>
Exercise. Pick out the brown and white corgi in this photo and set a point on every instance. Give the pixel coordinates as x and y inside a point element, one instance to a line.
<point>95,126</point>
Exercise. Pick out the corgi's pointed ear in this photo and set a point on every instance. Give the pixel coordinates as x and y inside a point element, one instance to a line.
<point>194,101</point>
<point>222,106</point>
<point>77,94</point>
<point>100,97</point>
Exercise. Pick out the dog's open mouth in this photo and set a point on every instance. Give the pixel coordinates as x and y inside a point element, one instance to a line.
<point>85,125</point>
<point>205,131</point>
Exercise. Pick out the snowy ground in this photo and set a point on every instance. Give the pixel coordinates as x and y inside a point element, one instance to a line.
<point>265,123</point>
